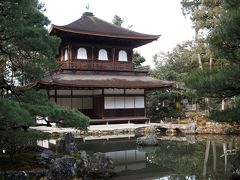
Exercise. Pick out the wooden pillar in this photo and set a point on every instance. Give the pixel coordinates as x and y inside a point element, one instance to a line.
<point>145,110</point>
<point>69,52</point>
<point>55,95</point>
<point>103,99</point>
<point>113,55</point>
<point>71,96</point>
<point>48,94</point>
<point>92,53</point>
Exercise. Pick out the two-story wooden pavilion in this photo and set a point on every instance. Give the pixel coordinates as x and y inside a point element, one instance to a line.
<point>97,75</point>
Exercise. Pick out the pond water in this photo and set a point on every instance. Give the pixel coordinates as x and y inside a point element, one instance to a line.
<point>175,158</point>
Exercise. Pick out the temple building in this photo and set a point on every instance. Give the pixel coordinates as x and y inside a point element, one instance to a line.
<point>97,75</point>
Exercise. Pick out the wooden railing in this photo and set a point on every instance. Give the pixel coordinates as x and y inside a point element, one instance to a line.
<point>97,65</point>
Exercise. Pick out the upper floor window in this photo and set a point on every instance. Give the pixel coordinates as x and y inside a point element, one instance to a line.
<point>122,55</point>
<point>82,53</point>
<point>65,55</point>
<point>102,54</point>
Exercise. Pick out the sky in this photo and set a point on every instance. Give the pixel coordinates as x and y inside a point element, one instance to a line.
<point>156,17</point>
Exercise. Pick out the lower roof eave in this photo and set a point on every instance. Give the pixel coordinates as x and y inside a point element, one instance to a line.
<point>59,85</point>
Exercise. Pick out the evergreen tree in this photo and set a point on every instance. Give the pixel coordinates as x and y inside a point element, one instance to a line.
<point>223,80</point>
<point>117,20</point>
<point>172,66</point>
<point>27,53</point>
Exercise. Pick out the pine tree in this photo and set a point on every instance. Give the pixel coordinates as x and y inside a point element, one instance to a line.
<point>27,53</point>
<point>223,81</point>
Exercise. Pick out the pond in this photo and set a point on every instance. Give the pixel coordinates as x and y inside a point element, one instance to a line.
<point>176,157</point>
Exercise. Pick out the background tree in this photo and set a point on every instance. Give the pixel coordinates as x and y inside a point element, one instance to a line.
<point>138,59</point>
<point>117,20</point>
<point>27,53</point>
<point>205,15</point>
<point>172,66</point>
<point>222,81</point>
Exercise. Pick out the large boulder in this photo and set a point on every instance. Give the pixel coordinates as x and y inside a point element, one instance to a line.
<point>15,175</point>
<point>100,165</point>
<point>150,140</point>
<point>63,168</point>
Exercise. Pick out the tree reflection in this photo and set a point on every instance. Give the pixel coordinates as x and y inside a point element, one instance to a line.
<point>192,161</point>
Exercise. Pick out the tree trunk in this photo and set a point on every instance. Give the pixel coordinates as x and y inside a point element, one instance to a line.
<point>199,61</point>
<point>210,63</point>
<point>223,105</point>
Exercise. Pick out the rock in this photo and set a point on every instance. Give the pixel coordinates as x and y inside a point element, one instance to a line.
<point>150,140</point>
<point>63,168</point>
<point>139,131</point>
<point>71,148</point>
<point>150,129</point>
<point>191,128</point>
<point>69,138</point>
<point>45,156</point>
<point>38,174</point>
<point>15,175</point>
<point>68,144</point>
<point>83,163</point>
<point>171,132</point>
<point>100,165</point>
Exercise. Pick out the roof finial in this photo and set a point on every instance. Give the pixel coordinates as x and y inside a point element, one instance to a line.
<point>87,7</point>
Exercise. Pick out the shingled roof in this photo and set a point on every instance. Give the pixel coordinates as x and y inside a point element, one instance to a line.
<point>104,81</point>
<point>88,24</point>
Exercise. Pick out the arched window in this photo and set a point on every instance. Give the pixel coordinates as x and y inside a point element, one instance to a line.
<point>122,55</point>
<point>102,54</point>
<point>65,55</point>
<point>82,53</point>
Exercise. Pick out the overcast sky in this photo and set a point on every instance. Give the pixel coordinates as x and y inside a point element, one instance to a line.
<point>157,17</point>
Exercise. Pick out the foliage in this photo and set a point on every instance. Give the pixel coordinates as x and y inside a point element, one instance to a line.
<point>172,66</point>
<point>229,115</point>
<point>27,53</point>
<point>18,141</point>
<point>162,103</point>
<point>138,59</point>
<point>205,14</point>
<point>117,20</point>
<point>222,81</point>
<point>35,104</point>
<point>175,65</point>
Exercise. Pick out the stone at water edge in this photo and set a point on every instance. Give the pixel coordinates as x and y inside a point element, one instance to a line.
<point>101,166</point>
<point>15,175</point>
<point>63,168</point>
<point>83,162</point>
<point>150,140</point>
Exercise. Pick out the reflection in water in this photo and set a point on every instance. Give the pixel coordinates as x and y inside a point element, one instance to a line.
<point>175,158</point>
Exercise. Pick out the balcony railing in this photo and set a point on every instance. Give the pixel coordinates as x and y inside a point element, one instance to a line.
<point>97,65</point>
